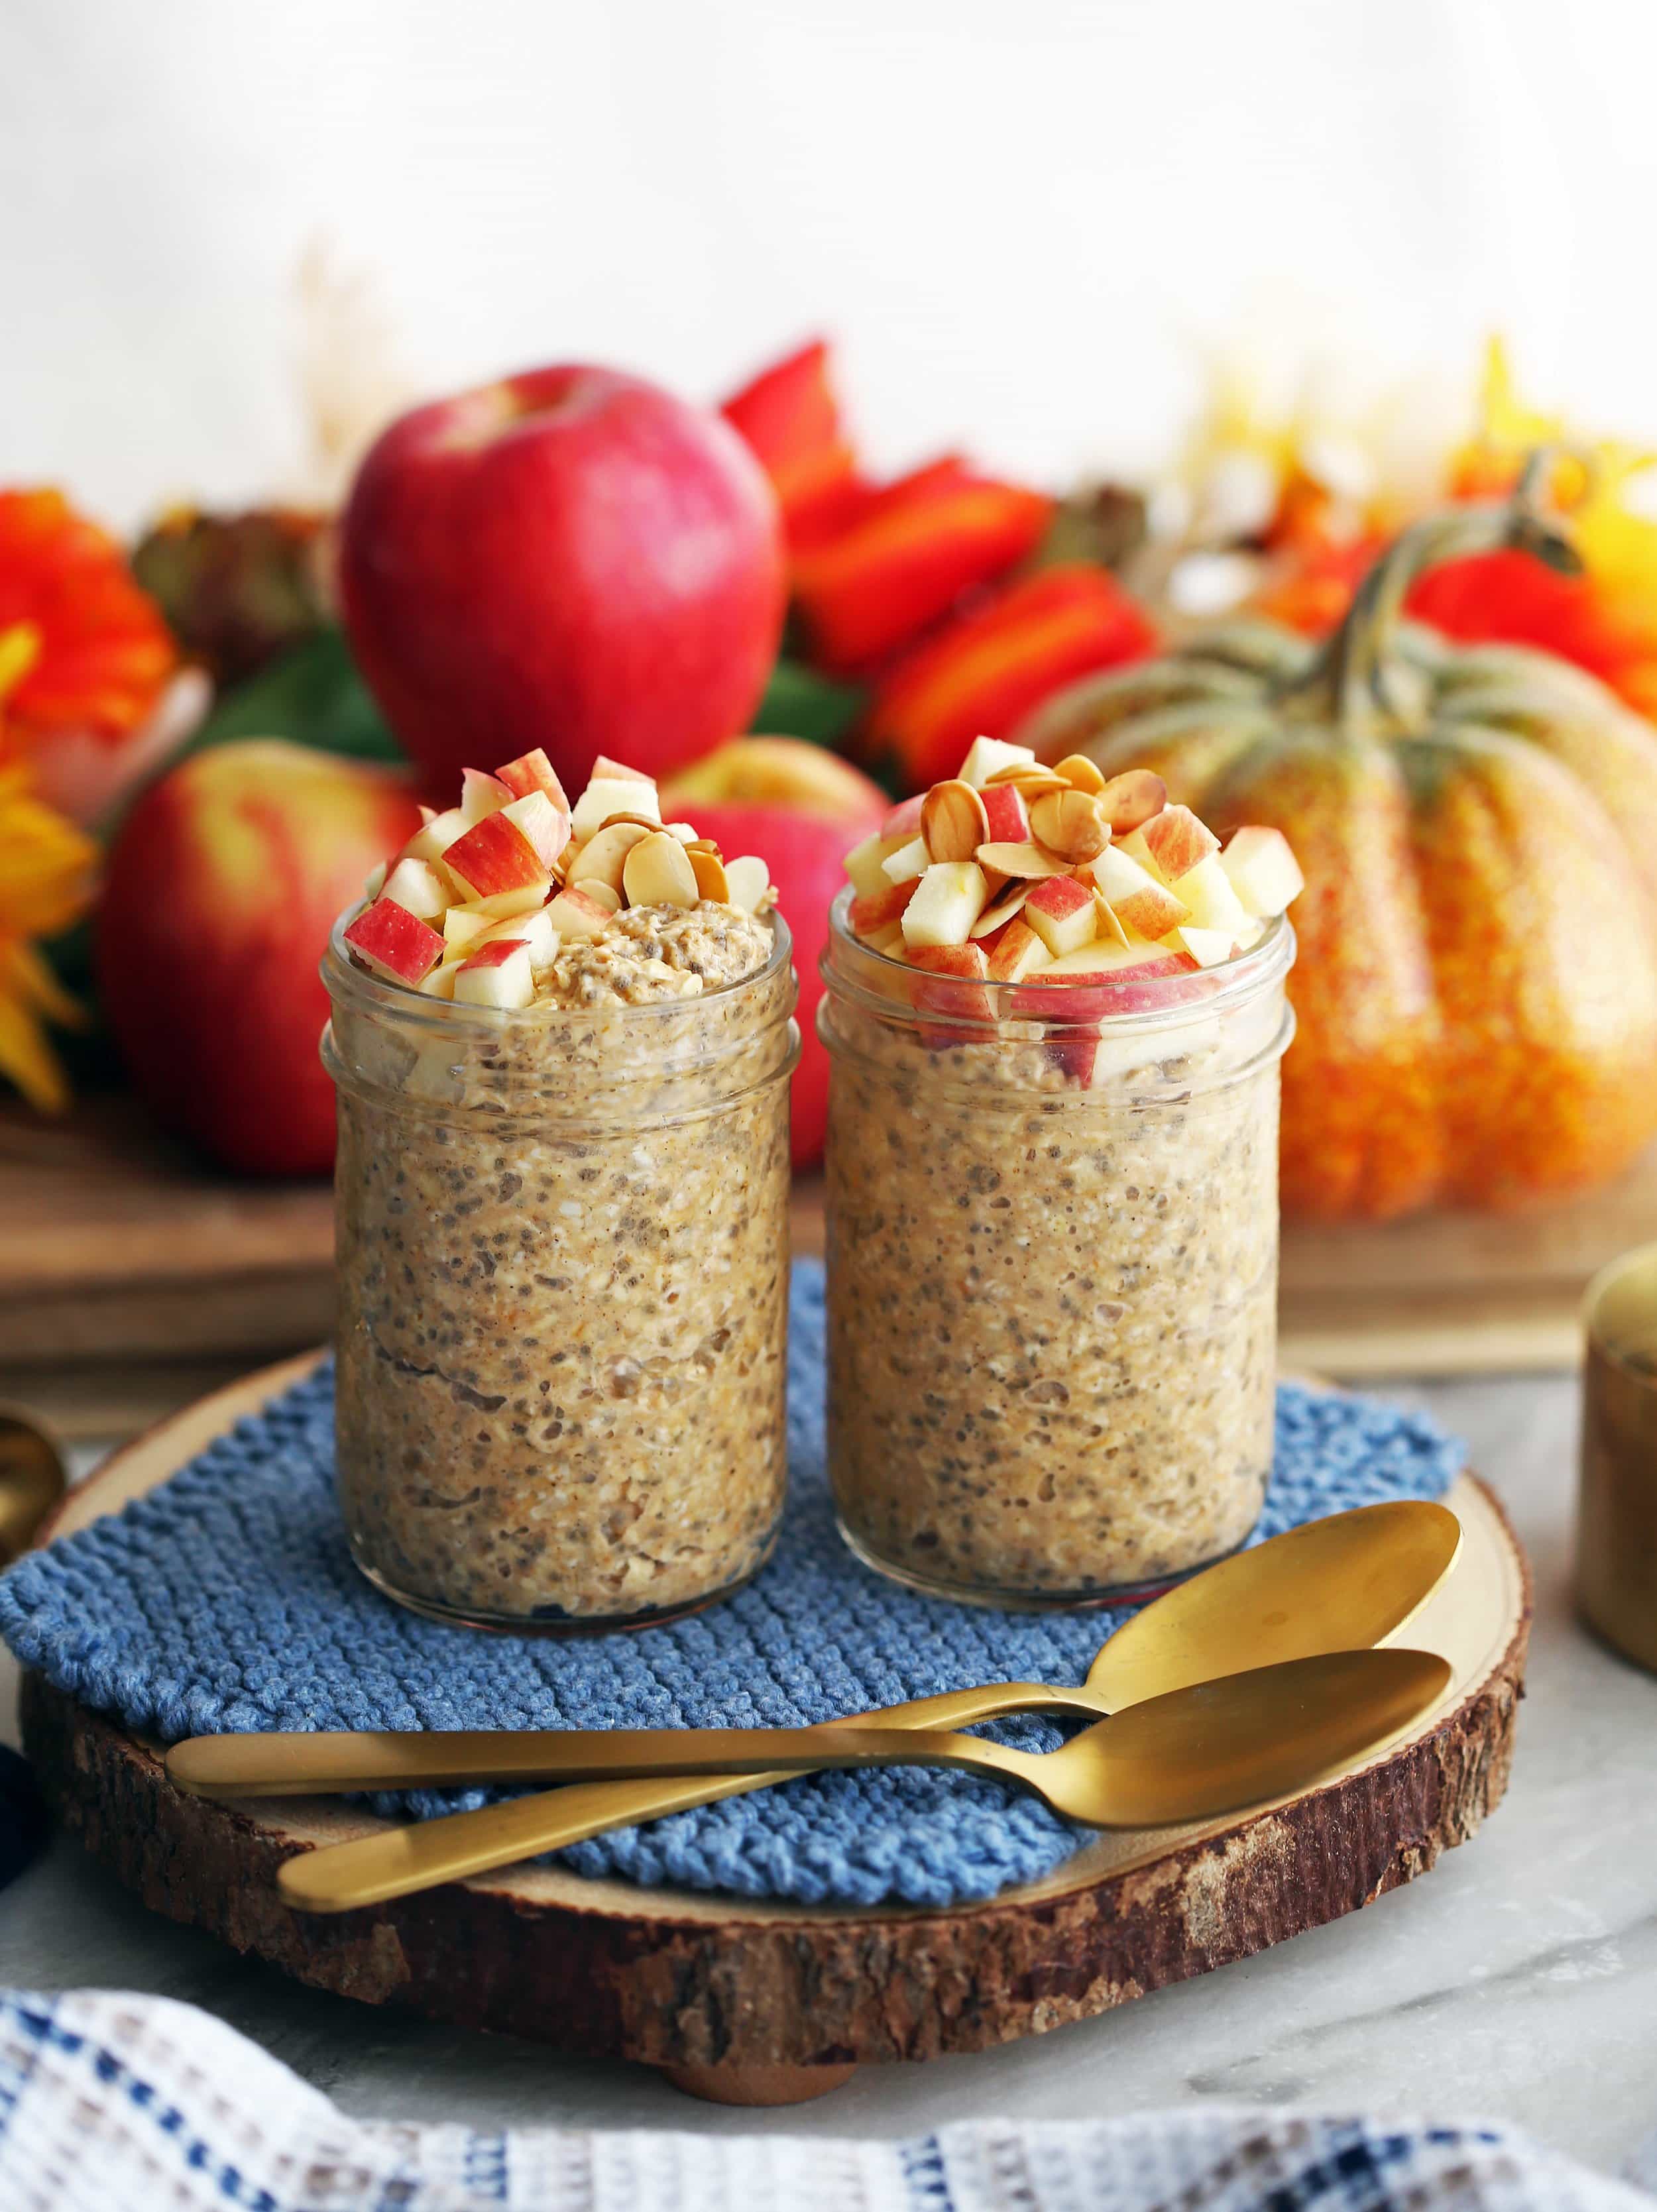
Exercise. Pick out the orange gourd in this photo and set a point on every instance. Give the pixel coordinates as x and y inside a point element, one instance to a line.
<point>1476,987</point>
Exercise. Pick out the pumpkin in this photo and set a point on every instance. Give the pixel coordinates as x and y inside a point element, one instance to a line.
<point>1477,985</point>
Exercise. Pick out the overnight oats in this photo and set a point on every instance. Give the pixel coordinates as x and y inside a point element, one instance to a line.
<point>1054,1010</point>
<point>562,1041</point>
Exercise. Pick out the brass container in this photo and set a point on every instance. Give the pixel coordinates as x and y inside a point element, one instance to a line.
<point>1616,1524</point>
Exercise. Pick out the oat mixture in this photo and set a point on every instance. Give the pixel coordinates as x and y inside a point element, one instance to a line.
<point>562,1254</point>
<point>1051,1309</point>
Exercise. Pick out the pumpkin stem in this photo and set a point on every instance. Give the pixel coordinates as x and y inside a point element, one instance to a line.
<point>1350,673</point>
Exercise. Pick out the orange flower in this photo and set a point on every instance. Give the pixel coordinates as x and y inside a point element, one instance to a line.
<point>46,884</point>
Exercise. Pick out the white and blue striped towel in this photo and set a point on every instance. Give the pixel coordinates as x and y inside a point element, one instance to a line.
<point>111,2103</point>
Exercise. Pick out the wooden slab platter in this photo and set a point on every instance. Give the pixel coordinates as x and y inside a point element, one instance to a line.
<point>130,1274</point>
<point>767,2003</point>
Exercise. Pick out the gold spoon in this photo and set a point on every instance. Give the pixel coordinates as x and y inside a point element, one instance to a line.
<point>1332,1585</point>
<point>32,1480</point>
<point>1210,1748</point>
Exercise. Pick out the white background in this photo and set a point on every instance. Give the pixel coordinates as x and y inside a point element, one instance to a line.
<point>1026,219</point>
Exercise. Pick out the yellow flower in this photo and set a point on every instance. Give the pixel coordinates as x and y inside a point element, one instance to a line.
<point>46,884</point>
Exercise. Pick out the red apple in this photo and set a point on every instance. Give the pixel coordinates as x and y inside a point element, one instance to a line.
<point>570,562</point>
<point>223,883</point>
<point>802,809</point>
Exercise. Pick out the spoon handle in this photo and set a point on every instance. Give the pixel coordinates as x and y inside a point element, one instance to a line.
<point>397,1861</point>
<point>297,1763</point>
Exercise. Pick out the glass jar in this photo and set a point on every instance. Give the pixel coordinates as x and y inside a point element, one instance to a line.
<point>562,1262</point>
<point>1052,1271</point>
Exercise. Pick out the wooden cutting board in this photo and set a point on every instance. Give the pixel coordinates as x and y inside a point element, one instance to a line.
<point>766,2004</point>
<point>117,1249</point>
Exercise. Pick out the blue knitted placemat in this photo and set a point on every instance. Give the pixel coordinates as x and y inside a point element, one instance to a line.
<point>227,1600</point>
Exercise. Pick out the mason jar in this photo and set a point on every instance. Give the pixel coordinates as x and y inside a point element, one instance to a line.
<point>563,1264</point>
<point>1052,1270</point>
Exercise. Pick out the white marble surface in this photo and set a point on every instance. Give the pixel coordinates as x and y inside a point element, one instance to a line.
<point>1518,1980</point>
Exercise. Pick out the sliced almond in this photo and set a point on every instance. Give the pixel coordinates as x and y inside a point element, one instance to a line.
<point>748,880</point>
<point>603,894</point>
<point>1079,772</point>
<point>1072,824</point>
<point>709,872</point>
<point>1110,930</point>
<point>1003,910</point>
<point>952,821</point>
<point>657,871</point>
<point>1131,800</point>
<point>1023,772</point>
<point>1025,862</point>
<point>701,845</point>
<point>603,856</point>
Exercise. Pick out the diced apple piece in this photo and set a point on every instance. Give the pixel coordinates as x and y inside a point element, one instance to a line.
<point>986,755</point>
<point>1007,814</point>
<point>889,941</point>
<point>533,771</point>
<point>577,912</point>
<point>417,885</point>
<point>603,856</point>
<point>1261,868</point>
<point>608,796</point>
<point>1137,899</point>
<point>538,931</point>
<point>1206,889</point>
<point>657,871</point>
<point>610,771</point>
<point>1006,905</point>
<point>1132,799</point>
<point>481,795</point>
<point>1019,951</point>
<point>440,984</point>
<point>544,824</point>
<point>461,924</point>
<point>374,882</point>
<point>394,943</point>
<point>1207,947</point>
<point>907,862</point>
<point>498,974</point>
<point>903,821</point>
<point>1177,841</point>
<point>949,900</point>
<point>880,910</point>
<point>435,836</point>
<point>1060,910</point>
<point>494,861</point>
<point>863,863</point>
<point>748,882</point>
<point>963,966</point>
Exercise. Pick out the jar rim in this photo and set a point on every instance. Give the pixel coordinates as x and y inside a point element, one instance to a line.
<point>852,969</point>
<point>345,980</point>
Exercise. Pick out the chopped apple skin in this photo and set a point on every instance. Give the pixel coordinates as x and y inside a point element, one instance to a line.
<point>576,913</point>
<point>1261,868</point>
<point>1137,899</point>
<point>880,910</point>
<point>1060,910</point>
<point>907,863</point>
<point>609,771</point>
<point>394,943</point>
<point>985,756</point>
<point>495,857</point>
<point>607,796</point>
<point>1206,889</point>
<point>949,900</point>
<point>545,825</point>
<point>499,975</point>
<point>1208,948</point>
<point>1178,841</point>
<point>533,771</point>
<point>417,885</point>
<point>1007,815</point>
<point>963,966</point>
<point>1018,953</point>
<point>905,820</point>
